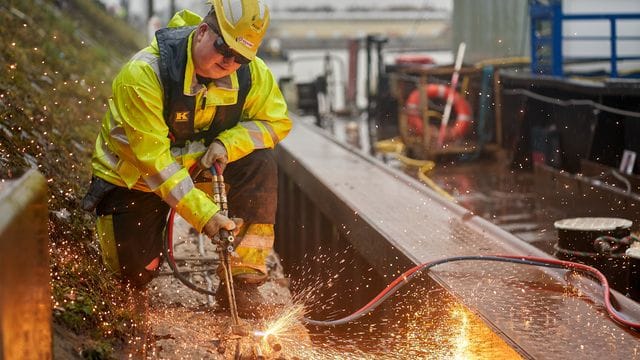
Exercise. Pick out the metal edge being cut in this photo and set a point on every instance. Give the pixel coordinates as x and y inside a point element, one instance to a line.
<point>395,222</point>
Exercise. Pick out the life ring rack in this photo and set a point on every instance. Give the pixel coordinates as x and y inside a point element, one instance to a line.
<point>463,121</point>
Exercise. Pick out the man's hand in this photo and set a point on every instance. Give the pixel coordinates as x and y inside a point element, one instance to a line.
<point>215,153</point>
<point>219,221</point>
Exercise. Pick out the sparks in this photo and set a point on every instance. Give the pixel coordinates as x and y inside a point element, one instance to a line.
<point>282,324</point>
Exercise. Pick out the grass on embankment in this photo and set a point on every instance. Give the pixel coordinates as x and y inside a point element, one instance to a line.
<point>57,60</point>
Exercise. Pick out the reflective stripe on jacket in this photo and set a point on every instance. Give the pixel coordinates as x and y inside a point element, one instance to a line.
<point>133,148</point>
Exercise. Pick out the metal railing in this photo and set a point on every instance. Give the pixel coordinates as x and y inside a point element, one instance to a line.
<point>547,39</point>
<point>25,294</point>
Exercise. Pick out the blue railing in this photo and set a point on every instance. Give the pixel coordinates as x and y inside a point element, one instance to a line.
<point>547,39</point>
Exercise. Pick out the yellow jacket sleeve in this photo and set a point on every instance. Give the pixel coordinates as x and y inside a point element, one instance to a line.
<point>137,108</point>
<point>265,120</point>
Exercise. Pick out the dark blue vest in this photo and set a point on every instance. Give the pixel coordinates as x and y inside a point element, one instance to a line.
<point>172,43</point>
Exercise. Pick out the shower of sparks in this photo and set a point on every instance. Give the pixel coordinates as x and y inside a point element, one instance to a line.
<point>282,324</point>
<point>417,322</point>
<point>284,327</point>
<point>461,341</point>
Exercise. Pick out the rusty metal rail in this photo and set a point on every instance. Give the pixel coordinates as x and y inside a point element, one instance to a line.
<point>25,295</point>
<point>395,222</point>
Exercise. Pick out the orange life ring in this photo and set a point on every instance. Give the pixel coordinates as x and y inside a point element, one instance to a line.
<point>463,120</point>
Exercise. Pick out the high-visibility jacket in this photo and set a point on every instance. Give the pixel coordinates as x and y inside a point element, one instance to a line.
<point>133,148</point>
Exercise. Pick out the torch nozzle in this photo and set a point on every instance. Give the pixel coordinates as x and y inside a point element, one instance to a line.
<point>240,330</point>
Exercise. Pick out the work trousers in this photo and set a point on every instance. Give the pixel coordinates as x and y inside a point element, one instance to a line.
<point>132,223</point>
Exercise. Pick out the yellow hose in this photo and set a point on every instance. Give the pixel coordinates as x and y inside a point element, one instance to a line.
<point>390,146</point>
<point>396,147</point>
<point>503,61</point>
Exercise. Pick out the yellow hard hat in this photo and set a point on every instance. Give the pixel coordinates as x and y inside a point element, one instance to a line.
<point>243,24</point>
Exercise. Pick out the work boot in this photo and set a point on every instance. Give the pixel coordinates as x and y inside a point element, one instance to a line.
<point>249,301</point>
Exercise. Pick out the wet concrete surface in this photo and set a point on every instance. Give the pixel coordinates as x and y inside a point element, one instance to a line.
<point>420,321</point>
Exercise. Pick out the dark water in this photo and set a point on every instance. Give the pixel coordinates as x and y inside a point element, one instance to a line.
<point>508,198</point>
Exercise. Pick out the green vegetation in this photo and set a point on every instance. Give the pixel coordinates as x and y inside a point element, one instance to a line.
<point>57,61</point>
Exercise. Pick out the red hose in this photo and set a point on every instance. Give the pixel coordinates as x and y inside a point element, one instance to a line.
<point>526,260</point>
<point>603,280</point>
<point>172,215</point>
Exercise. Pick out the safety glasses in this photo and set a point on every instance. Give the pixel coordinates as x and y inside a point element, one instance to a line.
<point>223,49</point>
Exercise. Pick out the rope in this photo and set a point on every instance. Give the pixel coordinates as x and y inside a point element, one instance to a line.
<point>396,147</point>
<point>623,179</point>
<point>503,61</point>
<point>572,102</point>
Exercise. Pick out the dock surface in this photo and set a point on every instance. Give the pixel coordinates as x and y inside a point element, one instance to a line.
<point>394,220</point>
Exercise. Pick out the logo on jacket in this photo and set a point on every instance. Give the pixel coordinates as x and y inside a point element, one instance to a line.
<point>182,116</point>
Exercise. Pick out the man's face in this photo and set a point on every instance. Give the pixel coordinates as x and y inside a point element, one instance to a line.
<point>208,59</point>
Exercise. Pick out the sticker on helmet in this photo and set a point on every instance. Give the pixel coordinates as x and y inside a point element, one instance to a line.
<point>244,42</point>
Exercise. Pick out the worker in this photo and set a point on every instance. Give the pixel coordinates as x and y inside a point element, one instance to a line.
<point>197,95</point>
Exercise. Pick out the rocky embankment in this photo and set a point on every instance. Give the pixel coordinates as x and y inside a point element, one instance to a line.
<point>186,324</point>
